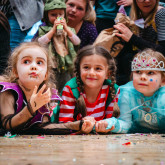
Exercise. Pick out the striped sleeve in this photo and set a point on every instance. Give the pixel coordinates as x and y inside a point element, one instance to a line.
<point>109,110</point>
<point>67,106</point>
<point>160,24</point>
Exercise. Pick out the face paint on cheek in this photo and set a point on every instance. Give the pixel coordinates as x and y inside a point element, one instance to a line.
<point>151,80</point>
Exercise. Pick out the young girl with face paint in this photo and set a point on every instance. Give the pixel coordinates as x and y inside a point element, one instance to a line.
<point>26,90</point>
<point>141,101</point>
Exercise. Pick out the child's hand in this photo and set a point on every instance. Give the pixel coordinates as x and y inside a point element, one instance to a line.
<point>101,126</point>
<point>87,126</point>
<point>63,22</point>
<point>90,118</point>
<point>40,98</point>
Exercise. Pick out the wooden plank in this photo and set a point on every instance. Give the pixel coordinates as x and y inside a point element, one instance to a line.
<point>146,149</point>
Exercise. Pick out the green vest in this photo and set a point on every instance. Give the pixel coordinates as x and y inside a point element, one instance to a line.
<point>73,85</point>
<point>65,64</point>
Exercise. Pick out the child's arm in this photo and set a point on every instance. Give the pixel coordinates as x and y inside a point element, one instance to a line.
<point>10,119</point>
<point>73,37</point>
<point>45,39</point>
<point>121,124</point>
<point>8,115</point>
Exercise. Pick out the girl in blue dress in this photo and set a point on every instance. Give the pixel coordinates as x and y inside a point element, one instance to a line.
<point>141,101</point>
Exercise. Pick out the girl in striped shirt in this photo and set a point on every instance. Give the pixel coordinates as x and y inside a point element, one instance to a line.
<point>92,94</point>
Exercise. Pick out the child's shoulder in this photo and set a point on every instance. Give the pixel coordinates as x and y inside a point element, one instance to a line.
<point>127,88</point>
<point>7,85</point>
<point>161,91</point>
<point>72,83</point>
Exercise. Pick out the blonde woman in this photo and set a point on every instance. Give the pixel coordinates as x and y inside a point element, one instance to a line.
<point>81,17</point>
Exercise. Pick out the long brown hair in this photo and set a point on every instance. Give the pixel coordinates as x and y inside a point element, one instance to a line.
<point>136,13</point>
<point>4,22</point>
<point>88,51</point>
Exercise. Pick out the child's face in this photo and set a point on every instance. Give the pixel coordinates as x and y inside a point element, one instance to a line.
<point>53,14</point>
<point>147,81</point>
<point>93,71</point>
<point>32,67</point>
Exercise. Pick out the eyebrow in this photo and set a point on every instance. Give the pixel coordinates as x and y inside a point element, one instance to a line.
<point>37,58</point>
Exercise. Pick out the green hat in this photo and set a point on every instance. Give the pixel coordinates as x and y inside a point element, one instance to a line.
<point>54,4</point>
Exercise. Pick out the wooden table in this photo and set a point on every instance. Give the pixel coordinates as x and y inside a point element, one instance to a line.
<point>145,149</point>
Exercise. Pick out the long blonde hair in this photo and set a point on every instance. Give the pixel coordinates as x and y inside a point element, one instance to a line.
<point>10,76</point>
<point>136,13</point>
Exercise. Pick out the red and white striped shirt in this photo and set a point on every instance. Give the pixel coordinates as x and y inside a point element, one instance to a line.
<point>96,109</point>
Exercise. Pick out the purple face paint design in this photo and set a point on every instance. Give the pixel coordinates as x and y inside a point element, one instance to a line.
<point>151,79</point>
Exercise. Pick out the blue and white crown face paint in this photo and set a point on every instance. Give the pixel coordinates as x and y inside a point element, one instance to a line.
<point>145,61</point>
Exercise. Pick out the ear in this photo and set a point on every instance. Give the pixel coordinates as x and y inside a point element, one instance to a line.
<point>108,74</point>
<point>163,82</point>
<point>46,76</point>
<point>15,73</point>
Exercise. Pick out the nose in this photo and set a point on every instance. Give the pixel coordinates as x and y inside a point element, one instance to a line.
<point>74,9</point>
<point>143,77</point>
<point>91,71</point>
<point>33,66</point>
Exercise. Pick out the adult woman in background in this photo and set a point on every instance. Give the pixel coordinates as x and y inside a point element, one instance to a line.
<point>152,36</point>
<point>81,17</point>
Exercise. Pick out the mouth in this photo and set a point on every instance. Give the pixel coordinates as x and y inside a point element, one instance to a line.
<point>33,75</point>
<point>91,79</point>
<point>71,15</point>
<point>142,84</point>
<point>147,6</point>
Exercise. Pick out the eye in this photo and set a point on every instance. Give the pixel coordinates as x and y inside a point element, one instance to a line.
<point>53,15</point>
<point>98,68</point>
<point>80,8</point>
<point>151,73</point>
<point>85,67</point>
<point>40,62</point>
<point>26,61</point>
<point>138,72</point>
<point>71,5</point>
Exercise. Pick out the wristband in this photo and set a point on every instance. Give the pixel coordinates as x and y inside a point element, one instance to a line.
<point>81,123</point>
<point>30,109</point>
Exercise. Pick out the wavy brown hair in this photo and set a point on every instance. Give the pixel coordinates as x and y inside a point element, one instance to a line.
<point>88,51</point>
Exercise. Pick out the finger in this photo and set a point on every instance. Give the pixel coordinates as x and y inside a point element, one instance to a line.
<point>35,90</point>
<point>118,35</point>
<point>96,127</point>
<point>83,126</point>
<point>42,89</point>
<point>112,128</point>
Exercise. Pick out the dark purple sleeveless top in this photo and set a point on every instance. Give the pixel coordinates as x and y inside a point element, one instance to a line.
<point>4,86</point>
